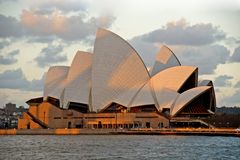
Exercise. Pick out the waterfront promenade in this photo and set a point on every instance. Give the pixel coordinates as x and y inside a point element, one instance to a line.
<point>142,131</point>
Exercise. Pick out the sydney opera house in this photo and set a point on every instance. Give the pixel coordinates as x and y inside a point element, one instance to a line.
<point>112,88</point>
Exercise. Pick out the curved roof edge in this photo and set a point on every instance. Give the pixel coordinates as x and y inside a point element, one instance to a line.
<point>172,78</point>
<point>128,45</point>
<point>166,98</point>
<point>124,74</point>
<point>205,83</point>
<point>54,83</point>
<point>165,58</point>
<point>78,79</point>
<point>144,96</point>
<point>174,55</point>
<point>187,97</point>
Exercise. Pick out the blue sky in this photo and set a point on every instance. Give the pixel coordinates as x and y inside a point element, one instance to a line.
<point>37,34</point>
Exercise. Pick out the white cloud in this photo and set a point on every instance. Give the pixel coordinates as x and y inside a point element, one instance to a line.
<point>50,55</point>
<point>206,58</point>
<point>3,99</point>
<point>10,27</point>
<point>4,43</point>
<point>223,81</point>
<point>182,33</point>
<point>10,58</point>
<point>80,27</point>
<point>232,100</point>
<point>237,85</point>
<point>62,5</point>
<point>71,28</point>
<point>236,55</point>
<point>18,97</point>
<point>194,45</point>
<point>15,79</point>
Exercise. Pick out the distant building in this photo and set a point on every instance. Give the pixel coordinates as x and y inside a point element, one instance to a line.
<point>9,115</point>
<point>10,108</point>
<point>112,88</point>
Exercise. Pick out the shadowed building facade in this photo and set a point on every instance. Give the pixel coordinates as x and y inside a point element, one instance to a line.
<point>112,88</point>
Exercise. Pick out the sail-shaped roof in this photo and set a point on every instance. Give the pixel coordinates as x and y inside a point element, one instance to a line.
<point>117,69</point>
<point>172,78</point>
<point>79,79</point>
<point>144,96</point>
<point>55,81</point>
<point>186,97</point>
<point>165,58</point>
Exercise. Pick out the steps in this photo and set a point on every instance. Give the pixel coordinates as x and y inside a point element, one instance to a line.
<point>36,120</point>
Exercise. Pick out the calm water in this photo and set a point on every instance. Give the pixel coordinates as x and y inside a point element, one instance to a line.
<point>119,147</point>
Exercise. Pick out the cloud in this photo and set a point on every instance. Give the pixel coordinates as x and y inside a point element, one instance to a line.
<point>3,1</point>
<point>3,99</point>
<point>10,27</point>
<point>15,79</point>
<point>37,39</point>
<point>36,84</point>
<point>71,28</point>
<point>237,85</point>
<point>10,58</point>
<point>223,81</point>
<point>182,33</point>
<point>42,25</point>
<point>68,20</point>
<point>49,55</point>
<point>4,43</point>
<point>236,55</point>
<point>206,58</point>
<point>193,45</point>
<point>64,6</point>
<point>233,100</point>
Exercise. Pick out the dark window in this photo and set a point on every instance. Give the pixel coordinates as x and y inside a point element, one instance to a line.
<point>80,107</point>
<point>69,124</point>
<point>99,124</point>
<point>79,126</point>
<point>145,108</point>
<point>148,124</point>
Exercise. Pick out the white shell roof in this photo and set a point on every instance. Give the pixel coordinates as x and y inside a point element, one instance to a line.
<point>144,96</point>
<point>172,78</point>
<point>79,79</point>
<point>116,73</point>
<point>117,70</point>
<point>55,81</point>
<point>186,97</point>
<point>164,59</point>
<point>165,97</point>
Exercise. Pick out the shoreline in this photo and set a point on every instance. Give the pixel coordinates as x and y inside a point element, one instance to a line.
<point>178,131</point>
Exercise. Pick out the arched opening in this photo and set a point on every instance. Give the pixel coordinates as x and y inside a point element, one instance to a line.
<point>191,82</point>
<point>198,107</point>
<point>114,108</point>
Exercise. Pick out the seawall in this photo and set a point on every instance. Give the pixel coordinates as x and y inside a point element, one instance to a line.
<point>182,131</point>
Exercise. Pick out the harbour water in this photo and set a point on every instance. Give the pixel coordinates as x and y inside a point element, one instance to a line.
<point>105,147</point>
